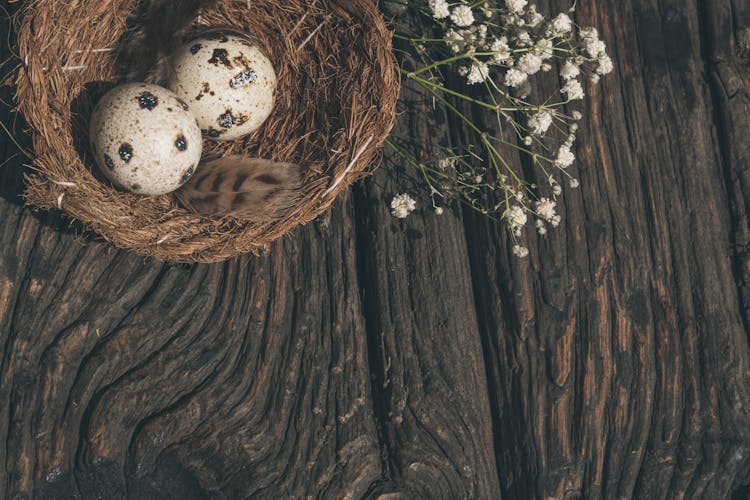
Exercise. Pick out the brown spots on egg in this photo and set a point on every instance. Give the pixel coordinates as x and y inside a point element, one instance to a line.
<point>136,187</point>
<point>125,152</point>
<point>244,78</point>
<point>226,120</point>
<point>180,143</point>
<point>108,162</point>
<point>183,104</point>
<point>148,101</point>
<point>206,89</point>
<point>229,119</point>
<point>220,56</point>
<point>241,60</point>
<point>195,48</point>
<point>240,118</point>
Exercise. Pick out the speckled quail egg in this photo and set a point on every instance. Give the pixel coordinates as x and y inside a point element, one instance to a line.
<point>228,82</point>
<point>145,139</point>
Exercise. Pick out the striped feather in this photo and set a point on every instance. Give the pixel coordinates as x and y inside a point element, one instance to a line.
<point>251,189</point>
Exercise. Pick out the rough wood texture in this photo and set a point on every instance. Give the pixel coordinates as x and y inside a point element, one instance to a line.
<point>618,351</point>
<point>370,357</point>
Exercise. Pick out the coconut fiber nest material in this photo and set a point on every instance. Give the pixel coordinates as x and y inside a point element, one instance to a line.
<point>335,105</point>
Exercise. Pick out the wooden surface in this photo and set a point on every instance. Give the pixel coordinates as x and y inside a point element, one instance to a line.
<point>370,357</point>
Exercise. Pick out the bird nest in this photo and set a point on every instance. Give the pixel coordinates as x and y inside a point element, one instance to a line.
<point>335,105</point>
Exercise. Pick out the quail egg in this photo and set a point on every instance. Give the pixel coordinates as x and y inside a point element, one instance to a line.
<point>145,139</point>
<point>228,82</point>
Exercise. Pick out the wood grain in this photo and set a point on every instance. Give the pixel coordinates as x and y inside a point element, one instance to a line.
<point>620,354</point>
<point>434,407</point>
<point>369,357</point>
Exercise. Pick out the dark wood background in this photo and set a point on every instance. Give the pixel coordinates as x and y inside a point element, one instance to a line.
<point>370,357</point>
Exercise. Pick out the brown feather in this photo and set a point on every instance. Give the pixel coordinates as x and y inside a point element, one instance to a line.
<point>155,29</point>
<point>251,189</point>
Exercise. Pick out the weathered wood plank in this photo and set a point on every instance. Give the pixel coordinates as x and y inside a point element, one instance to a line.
<point>617,351</point>
<point>254,373</point>
<point>727,39</point>
<point>436,420</point>
<point>726,32</point>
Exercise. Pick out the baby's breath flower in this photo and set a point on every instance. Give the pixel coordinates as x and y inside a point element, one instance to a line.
<point>589,32</point>
<point>445,163</point>
<point>555,221</point>
<point>577,115</point>
<point>523,39</point>
<point>561,24</point>
<point>516,6</point>
<point>439,8</point>
<point>528,140</point>
<point>565,157</point>
<point>605,65</point>
<point>545,209</point>
<point>438,210</point>
<point>574,183</point>
<point>540,122</point>
<point>477,73</point>
<point>529,63</point>
<point>573,90</point>
<point>533,18</point>
<point>462,16</point>
<point>515,78</point>
<point>520,251</point>
<point>501,49</point>
<point>402,205</point>
<point>516,217</point>
<point>570,70</point>
<point>594,47</point>
<point>544,49</point>
<point>556,189</point>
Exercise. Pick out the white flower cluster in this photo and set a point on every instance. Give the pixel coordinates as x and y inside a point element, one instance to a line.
<point>521,43</point>
<point>503,44</point>
<point>516,218</point>
<point>439,8</point>
<point>546,212</point>
<point>402,205</point>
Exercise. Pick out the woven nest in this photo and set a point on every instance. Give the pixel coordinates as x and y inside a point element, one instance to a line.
<point>336,96</point>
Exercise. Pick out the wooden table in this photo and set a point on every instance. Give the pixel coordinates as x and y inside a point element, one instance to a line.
<point>364,356</point>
